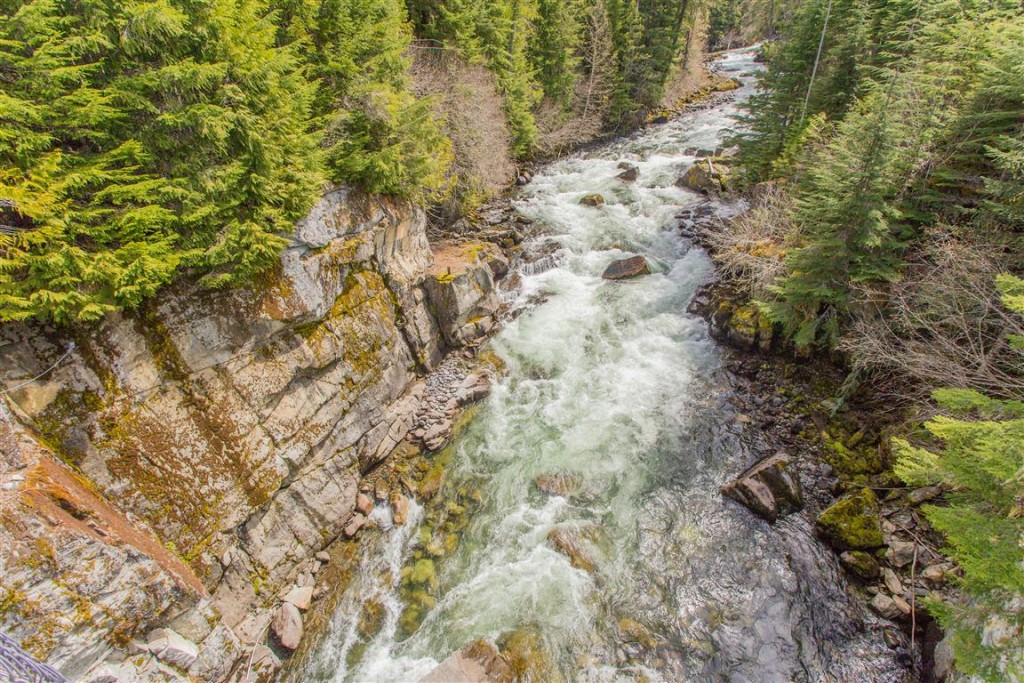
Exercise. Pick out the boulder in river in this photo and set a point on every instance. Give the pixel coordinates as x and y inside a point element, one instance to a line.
<point>770,489</point>
<point>706,177</point>
<point>626,268</point>
<point>477,662</point>
<point>569,543</point>
<point>593,199</point>
<point>399,508</point>
<point>364,504</point>
<point>851,523</point>
<point>630,174</point>
<point>559,484</point>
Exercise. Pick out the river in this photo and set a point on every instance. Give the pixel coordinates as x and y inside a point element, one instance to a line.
<point>615,392</point>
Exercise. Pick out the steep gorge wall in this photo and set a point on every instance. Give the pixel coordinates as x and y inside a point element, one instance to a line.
<point>182,466</point>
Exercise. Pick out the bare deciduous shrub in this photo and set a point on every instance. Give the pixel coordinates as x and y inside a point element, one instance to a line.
<point>943,324</point>
<point>560,130</point>
<point>752,247</point>
<point>468,98</point>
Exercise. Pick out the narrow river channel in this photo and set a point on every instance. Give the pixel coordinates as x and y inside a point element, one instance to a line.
<point>615,394</point>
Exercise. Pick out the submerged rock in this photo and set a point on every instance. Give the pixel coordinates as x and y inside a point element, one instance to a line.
<point>630,174</point>
<point>559,484</point>
<point>569,543</point>
<point>399,508</point>
<point>852,523</point>
<point>477,662</point>
<point>769,489</point>
<point>526,655</point>
<point>626,268</point>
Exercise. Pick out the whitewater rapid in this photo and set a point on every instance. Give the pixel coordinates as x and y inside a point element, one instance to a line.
<point>615,387</point>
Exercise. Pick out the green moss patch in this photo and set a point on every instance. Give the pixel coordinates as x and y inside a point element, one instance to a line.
<point>852,523</point>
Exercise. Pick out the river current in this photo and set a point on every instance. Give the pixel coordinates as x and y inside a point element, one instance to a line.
<point>615,391</point>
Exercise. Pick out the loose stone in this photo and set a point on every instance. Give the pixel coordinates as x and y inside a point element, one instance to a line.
<point>287,626</point>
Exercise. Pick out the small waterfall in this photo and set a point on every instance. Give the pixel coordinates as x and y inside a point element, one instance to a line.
<point>377,582</point>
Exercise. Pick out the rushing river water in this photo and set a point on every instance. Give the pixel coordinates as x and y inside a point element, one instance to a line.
<point>618,389</point>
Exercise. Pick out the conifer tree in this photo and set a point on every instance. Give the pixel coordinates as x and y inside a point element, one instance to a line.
<point>624,18</point>
<point>847,224</point>
<point>982,464</point>
<point>375,132</point>
<point>776,108</point>
<point>138,139</point>
<point>557,32</point>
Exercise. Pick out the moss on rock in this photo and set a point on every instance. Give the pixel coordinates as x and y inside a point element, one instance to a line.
<point>853,462</point>
<point>852,522</point>
<point>861,564</point>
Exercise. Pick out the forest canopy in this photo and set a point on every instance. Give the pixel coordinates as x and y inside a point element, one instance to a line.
<point>141,140</point>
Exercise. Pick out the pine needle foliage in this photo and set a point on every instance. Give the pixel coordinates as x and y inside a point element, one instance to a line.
<point>374,132</point>
<point>982,462</point>
<point>913,118</point>
<point>140,139</point>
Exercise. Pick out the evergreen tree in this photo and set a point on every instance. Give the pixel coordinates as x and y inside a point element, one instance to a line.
<point>724,23</point>
<point>624,18</point>
<point>981,462</point>
<point>775,112</point>
<point>846,221</point>
<point>376,133</point>
<point>138,139</point>
<point>662,38</point>
<point>557,32</point>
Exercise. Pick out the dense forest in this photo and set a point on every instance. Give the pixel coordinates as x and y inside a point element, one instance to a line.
<point>885,155</point>
<point>141,140</point>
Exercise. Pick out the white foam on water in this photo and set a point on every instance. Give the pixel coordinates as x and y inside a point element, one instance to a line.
<point>612,382</point>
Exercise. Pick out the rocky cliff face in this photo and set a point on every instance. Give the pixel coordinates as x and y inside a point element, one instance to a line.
<point>181,467</point>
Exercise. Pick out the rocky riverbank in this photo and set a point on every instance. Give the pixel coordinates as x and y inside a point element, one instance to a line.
<point>840,448</point>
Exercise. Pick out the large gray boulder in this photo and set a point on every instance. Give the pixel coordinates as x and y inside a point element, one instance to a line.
<point>770,489</point>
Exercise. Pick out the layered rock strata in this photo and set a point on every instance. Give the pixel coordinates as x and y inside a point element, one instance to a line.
<point>180,469</point>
